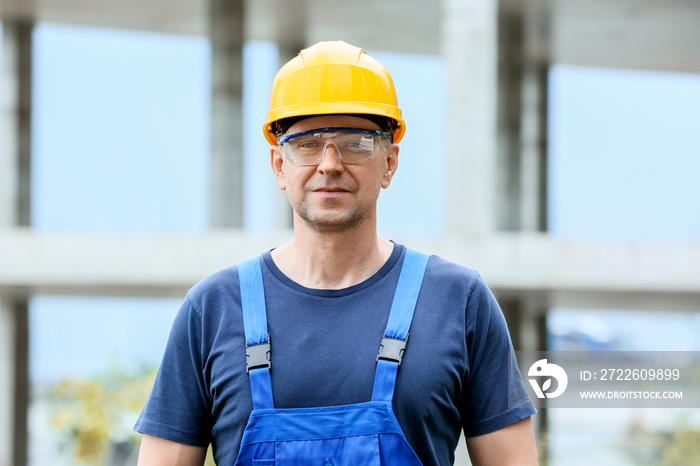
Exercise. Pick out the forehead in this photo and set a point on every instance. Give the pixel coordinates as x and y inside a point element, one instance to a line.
<point>331,121</point>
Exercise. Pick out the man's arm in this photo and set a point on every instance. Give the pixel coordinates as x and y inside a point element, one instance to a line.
<point>513,445</point>
<point>160,452</point>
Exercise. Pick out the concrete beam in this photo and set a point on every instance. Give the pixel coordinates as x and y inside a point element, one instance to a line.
<point>32,262</point>
<point>650,34</point>
<point>227,33</point>
<point>544,270</point>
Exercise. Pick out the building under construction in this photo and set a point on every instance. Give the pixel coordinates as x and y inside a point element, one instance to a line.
<point>497,57</point>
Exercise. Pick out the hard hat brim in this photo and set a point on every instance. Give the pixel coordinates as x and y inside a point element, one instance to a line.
<point>334,108</point>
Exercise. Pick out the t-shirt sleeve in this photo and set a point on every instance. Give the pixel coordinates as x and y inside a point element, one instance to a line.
<point>490,402</point>
<point>179,408</point>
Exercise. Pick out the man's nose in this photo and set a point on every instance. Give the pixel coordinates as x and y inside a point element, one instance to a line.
<point>331,158</point>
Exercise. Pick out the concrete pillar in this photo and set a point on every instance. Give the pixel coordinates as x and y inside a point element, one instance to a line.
<point>533,165</point>
<point>14,382</point>
<point>533,135</point>
<point>227,21</point>
<point>541,425</point>
<point>523,69</point>
<point>291,29</point>
<point>469,45</point>
<point>513,312</point>
<point>527,323</point>
<point>510,66</point>
<point>15,185</point>
<point>291,33</point>
<point>523,38</point>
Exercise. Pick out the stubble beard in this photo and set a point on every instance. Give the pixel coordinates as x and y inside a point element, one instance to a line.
<point>344,222</point>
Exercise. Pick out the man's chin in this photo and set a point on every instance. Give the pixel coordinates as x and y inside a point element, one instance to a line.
<point>336,222</point>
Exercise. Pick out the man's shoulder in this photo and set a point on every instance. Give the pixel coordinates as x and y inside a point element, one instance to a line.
<point>222,283</point>
<point>448,280</point>
<point>443,269</point>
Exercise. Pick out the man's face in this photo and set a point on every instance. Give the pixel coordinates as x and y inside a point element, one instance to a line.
<point>334,196</point>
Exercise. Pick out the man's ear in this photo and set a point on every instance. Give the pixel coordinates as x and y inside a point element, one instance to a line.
<point>276,162</point>
<point>392,164</point>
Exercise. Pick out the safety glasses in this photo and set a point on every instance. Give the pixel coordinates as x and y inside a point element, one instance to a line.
<point>354,146</point>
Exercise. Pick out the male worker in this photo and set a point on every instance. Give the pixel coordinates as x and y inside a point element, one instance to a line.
<point>303,323</point>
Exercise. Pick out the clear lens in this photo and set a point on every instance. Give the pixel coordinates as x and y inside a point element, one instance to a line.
<point>353,146</point>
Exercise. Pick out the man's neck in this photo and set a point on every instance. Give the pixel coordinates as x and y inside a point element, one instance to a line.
<point>332,260</point>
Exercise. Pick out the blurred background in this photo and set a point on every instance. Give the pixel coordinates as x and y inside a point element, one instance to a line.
<point>552,145</point>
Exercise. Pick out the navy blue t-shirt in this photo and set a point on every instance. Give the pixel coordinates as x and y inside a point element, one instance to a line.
<point>454,373</point>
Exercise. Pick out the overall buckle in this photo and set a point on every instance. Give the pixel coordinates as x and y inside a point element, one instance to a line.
<point>392,349</point>
<point>258,355</point>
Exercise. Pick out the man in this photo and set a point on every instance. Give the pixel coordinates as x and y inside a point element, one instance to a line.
<point>334,125</point>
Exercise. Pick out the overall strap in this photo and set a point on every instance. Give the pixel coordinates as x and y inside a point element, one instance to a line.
<point>400,317</point>
<point>255,328</point>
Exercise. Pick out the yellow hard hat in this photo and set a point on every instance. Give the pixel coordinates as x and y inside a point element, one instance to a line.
<point>333,78</point>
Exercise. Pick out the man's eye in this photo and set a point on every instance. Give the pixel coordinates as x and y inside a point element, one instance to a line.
<point>358,144</point>
<point>308,144</point>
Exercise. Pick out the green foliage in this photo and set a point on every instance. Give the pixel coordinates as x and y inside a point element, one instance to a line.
<point>677,447</point>
<point>93,417</point>
<point>682,448</point>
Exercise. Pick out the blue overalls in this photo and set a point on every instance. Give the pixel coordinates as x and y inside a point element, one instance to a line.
<point>363,434</point>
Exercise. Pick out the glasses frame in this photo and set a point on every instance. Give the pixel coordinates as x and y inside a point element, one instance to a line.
<point>283,140</point>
